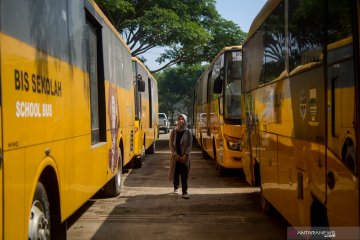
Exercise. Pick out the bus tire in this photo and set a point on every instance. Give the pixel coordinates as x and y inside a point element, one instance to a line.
<point>257,179</point>
<point>265,204</point>
<point>113,187</point>
<point>151,149</point>
<point>220,170</point>
<point>204,154</point>
<point>138,162</point>
<point>39,219</point>
<point>318,214</point>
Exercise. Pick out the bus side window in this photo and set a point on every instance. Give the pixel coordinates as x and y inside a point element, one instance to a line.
<point>97,88</point>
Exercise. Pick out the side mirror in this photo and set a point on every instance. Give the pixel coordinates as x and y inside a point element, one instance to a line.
<point>218,83</point>
<point>140,83</point>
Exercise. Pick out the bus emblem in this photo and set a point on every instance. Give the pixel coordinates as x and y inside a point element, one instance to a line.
<point>313,108</point>
<point>302,104</point>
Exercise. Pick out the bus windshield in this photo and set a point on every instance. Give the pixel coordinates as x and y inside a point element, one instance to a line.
<point>232,86</point>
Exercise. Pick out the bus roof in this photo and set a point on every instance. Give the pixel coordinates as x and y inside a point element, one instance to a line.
<point>224,49</point>
<point>135,59</point>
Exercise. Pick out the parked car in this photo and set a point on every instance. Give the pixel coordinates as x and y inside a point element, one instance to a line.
<point>164,124</point>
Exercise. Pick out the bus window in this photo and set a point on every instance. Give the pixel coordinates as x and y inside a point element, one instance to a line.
<point>305,40</point>
<point>232,86</point>
<point>253,57</point>
<point>215,72</point>
<point>98,133</point>
<point>274,45</point>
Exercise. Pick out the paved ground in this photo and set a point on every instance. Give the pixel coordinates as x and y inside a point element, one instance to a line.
<point>218,208</point>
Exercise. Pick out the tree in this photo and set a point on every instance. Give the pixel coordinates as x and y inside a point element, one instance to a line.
<point>225,33</point>
<point>191,31</point>
<point>175,86</point>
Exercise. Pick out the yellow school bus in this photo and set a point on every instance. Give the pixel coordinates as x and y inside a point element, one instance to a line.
<point>67,113</point>
<point>301,106</point>
<point>146,112</point>
<point>217,110</point>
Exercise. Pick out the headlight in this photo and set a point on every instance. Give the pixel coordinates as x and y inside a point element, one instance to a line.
<point>233,143</point>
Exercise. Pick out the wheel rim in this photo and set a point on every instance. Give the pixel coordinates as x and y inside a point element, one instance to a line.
<point>118,179</point>
<point>38,223</point>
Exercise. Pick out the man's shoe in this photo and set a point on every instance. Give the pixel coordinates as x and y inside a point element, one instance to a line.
<point>176,190</point>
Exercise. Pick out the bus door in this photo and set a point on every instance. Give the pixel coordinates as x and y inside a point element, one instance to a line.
<point>250,155</point>
<point>151,110</point>
<point>138,123</point>
<point>342,164</point>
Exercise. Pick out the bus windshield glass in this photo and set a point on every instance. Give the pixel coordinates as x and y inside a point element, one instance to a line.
<point>232,87</point>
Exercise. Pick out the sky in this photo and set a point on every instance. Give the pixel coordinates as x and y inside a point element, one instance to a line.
<point>241,12</point>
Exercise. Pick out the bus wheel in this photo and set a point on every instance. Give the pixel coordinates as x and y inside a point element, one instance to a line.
<point>220,170</point>
<point>204,154</point>
<point>257,180</point>
<point>138,162</point>
<point>113,187</point>
<point>39,220</point>
<point>318,215</point>
<point>265,205</point>
<point>151,149</point>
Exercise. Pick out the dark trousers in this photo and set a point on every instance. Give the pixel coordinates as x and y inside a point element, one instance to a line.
<point>181,170</point>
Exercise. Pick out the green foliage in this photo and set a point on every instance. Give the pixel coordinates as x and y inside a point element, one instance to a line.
<point>116,10</point>
<point>191,31</point>
<point>175,89</point>
<point>225,33</point>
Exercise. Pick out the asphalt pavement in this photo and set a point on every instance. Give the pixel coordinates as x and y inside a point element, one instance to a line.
<point>221,208</point>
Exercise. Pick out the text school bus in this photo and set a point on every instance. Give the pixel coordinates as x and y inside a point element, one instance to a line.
<point>301,99</point>
<point>217,109</point>
<point>67,113</point>
<point>146,112</point>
